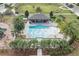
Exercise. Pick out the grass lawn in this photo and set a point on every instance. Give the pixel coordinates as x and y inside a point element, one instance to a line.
<point>9,20</point>
<point>46,8</point>
<point>70,18</point>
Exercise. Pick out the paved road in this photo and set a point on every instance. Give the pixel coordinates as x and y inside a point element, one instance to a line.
<point>75,9</point>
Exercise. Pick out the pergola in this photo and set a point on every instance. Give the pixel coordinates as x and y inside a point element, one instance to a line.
<point>39,18</point>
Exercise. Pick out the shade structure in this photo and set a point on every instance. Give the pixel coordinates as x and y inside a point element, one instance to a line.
<point>38,18</point>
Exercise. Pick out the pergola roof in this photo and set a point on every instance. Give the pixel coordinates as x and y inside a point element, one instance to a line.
<point>39,16</point>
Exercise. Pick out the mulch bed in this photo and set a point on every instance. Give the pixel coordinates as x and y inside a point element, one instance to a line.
<point>76,46</point>
<point>18,52</point>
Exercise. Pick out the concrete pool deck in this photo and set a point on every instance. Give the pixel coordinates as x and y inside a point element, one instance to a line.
<point>51,32</point>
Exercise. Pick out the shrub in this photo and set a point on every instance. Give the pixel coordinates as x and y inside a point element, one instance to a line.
<point>60,47</point>
<point>77,4</point>
<point>45,43</point>
<point>59,19</point>
<point>18,44</point>
<point>63,49</point>
<point>20,17</point>
<point>51,14</point>
<point>26,13</point>
<point>38,9</point>
<point>23,44</point>
<point>54,43</point>
<point>33,43</point>
<point>19,24</point>
<point>77,17</point>
<point>22,47</point>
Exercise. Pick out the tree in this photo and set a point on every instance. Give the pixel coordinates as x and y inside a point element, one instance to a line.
<point>77,4</point>
<point>26,13</point>
<point>18,25</point>
<point>51,14</point>
<point>38,9</point>
<point>71,29</point>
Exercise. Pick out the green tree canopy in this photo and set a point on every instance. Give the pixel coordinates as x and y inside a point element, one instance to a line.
<point>51,14</point>
<point>26,13</point>
<point>19,24</point>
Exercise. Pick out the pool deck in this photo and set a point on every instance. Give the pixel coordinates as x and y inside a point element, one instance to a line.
<point>50,24</point>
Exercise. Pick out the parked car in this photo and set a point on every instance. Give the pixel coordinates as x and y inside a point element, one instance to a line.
<point>70,5</point>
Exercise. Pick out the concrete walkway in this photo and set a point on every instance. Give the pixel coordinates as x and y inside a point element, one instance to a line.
<point>39,52</point>
<point>75,9</point>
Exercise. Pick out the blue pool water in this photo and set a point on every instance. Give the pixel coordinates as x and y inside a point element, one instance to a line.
<point>38,27</point>
<point>41,31</point>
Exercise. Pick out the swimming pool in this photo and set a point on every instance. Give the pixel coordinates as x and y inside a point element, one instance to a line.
<point>38,27</point>
<point>42,31</point>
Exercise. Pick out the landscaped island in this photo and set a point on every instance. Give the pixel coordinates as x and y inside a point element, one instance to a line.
<point>38,29</point>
